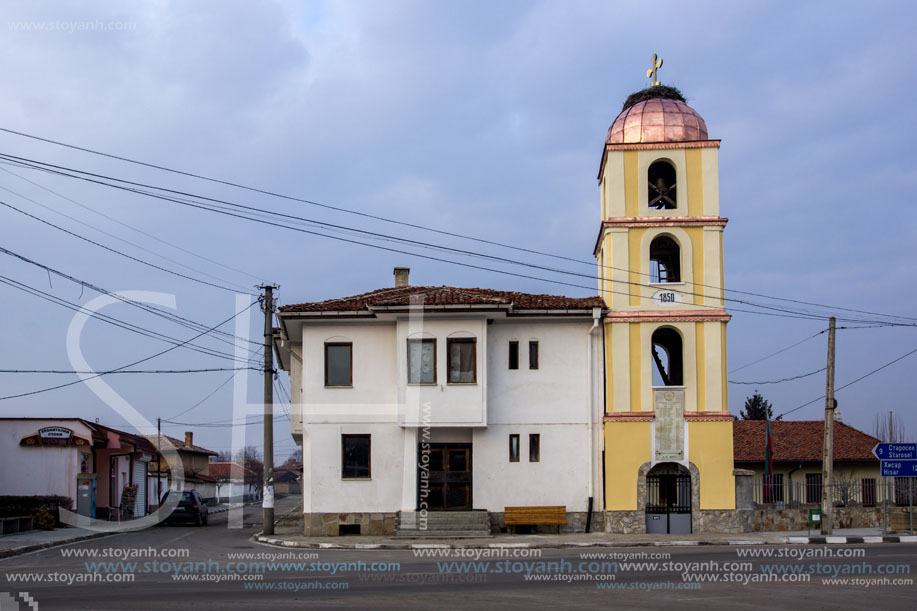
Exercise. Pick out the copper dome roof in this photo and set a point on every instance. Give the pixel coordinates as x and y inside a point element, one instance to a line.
<point>657,120</point>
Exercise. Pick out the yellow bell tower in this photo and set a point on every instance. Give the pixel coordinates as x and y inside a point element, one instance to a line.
<point>668,430</point>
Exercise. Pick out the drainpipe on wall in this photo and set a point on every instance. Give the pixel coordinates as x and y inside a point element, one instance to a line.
<point>596,317</point>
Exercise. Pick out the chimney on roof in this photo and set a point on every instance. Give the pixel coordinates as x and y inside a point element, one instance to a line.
<point>401,276</point>
<point>189,438</point>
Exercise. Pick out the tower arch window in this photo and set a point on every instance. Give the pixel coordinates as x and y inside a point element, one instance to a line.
<point>665,260</point>
<point>660,181</point>
<point>668,357</point>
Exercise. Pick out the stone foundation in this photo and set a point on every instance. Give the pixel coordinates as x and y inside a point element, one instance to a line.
<point>576,523</point>
<point>327,524</point>
<point>625,522</point>
<point>798,519</point>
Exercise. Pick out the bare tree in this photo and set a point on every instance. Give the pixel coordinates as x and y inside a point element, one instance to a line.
<point>889,428</point>
<point>295,457</point>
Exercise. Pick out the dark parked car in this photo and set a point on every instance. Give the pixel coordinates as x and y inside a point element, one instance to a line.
<point>191,507</point>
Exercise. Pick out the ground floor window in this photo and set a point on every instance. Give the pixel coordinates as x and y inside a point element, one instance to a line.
<point>773,488</point>
<point>868,491</point>
<point>356,456</point>
<point>813,487</point>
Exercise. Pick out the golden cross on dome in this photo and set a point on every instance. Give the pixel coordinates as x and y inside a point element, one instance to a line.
<point>651,72</point>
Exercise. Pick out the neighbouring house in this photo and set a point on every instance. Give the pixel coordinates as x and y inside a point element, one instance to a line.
<point>235,481</point>
<point>416,405</point>
<point>796,483</point>
<point>63,456</point>
<point>195,464</point>
<point>287,479</point>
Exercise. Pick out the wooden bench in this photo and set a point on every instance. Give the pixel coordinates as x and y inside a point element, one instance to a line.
<point>554,515</point>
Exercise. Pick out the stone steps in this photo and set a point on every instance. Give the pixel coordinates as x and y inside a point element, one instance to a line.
<point>442,524</point>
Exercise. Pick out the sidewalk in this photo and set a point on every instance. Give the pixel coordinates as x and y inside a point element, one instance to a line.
<point>289,536</point>
<point>33,540</point>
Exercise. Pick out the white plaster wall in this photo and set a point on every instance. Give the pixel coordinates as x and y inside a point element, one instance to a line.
<point>559,478</point>
<point>330,493</point>
<point>557,391</point>
<point>374,394</point>
<point>38,470</point>
<point>449,404</point>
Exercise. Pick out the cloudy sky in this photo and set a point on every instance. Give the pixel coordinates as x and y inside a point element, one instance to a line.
<point>478,118</point>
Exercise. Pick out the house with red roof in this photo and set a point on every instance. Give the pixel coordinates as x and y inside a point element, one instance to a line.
<point>797,462</point>
<point>419,405</point>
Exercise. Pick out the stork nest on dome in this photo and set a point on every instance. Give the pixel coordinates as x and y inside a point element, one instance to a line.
<point>659,92</point>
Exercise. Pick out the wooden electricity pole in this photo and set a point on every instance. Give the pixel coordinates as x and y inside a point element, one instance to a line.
<point>827,494</point>
<point>267,497</point>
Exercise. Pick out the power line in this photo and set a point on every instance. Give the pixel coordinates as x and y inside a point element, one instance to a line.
<point>132,228</point>
<point>799,377</point>
<point>118,371</point>
<point>109,319</point>
<point>172,317</point>
<point>123,254</point>
<point>143,360</point>
<point>786,313</point>
<point>847,385</point>
<point>214,391</point>
<point>782,350</point>
<point>397,222</point>
<point>111,235</point>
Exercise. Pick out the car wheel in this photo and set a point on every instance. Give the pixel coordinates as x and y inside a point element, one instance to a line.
<point>204,520</point>
<point>198,520</point>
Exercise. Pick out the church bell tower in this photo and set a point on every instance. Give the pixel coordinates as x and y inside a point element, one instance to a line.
<point>668,430</point>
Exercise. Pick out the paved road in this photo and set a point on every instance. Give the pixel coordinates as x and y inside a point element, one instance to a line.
<point>574,581</point>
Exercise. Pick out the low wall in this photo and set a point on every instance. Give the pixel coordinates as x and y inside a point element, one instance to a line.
<point>798,519</point>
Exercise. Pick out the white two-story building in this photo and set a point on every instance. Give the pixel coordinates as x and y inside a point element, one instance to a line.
<point>414,401</point>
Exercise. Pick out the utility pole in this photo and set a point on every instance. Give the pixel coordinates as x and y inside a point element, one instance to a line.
<point>158,461</point>
<point>827,494</point>
<point>267,497</point>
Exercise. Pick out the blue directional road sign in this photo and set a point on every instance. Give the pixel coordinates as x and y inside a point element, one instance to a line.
<point>895,451</point>
<point>899,468</point>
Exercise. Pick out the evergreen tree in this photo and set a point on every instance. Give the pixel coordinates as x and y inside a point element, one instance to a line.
<point>758,408</point>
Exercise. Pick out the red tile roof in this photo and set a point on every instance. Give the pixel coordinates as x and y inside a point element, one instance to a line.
<point>799,441</point>
<point>180,445</point>
<point>447,295</point>
<point>223,470</point>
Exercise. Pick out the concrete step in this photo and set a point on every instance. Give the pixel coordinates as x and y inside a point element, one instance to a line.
<point>442,524</point>
<point>443,534</point>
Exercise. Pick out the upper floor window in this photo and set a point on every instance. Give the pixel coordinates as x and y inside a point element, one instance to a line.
<point>660,181</point>
<point>462,360</point>
<point>533,355</point>
<point>338,364</point>
<point>421,361</point>
<point>665,260</point>
<point>534,447</point>
<point>668,358</point>
<point>514,355</point>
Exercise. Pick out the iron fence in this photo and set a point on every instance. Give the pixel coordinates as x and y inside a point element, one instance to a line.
<point>845,492</point>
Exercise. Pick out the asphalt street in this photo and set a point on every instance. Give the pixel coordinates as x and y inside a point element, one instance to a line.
<point>185,567</point>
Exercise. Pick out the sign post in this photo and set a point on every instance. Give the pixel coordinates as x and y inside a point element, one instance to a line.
<point>899,460</point>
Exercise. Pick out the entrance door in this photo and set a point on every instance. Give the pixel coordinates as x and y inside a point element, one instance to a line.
<point>448,487</point>
<point>668,503</point>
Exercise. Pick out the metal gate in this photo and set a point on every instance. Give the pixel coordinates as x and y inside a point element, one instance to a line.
<point>668,501</point>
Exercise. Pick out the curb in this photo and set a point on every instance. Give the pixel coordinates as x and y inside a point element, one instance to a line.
<point>281,542</point>
<point>25,549</point>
